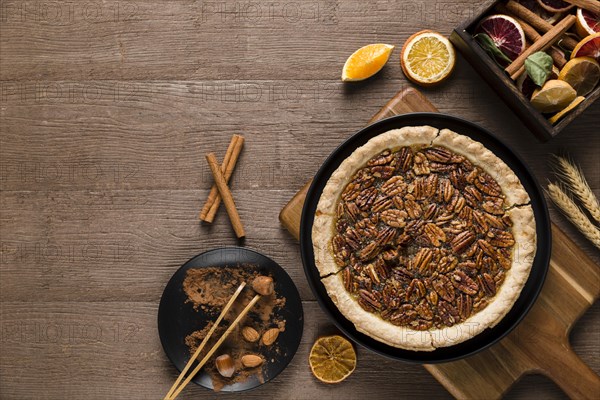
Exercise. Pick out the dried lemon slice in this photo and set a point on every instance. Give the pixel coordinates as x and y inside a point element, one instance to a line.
<point>582,73</point>
<point>366,62</point>
<point>332,359</point>
<point>556,117</point>
<point>427,58</point>
<point>553,96</point>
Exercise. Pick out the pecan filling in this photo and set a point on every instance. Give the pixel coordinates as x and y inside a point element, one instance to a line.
<point>422,236</point>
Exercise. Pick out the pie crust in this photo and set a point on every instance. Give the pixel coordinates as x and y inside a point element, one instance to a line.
<point>516,207</point>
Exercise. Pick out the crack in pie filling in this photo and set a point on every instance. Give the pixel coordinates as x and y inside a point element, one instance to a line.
<point>423,238</point>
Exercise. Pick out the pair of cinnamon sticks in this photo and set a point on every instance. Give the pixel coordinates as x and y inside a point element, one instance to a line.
<point>220,191</point>
<point>531,24</point>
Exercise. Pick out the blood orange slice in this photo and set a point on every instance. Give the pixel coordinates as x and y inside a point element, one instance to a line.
<point>555,5</point>
<point>588,47</point>
<point>505,32</point>
<point>587,23</point>
<point>534,6</point>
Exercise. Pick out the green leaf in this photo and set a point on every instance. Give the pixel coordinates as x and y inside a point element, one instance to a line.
<point>486,42</point>
<point>539,67</point>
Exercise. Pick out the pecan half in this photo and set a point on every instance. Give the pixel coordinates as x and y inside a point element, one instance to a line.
<point>444,288</point>
<point>369,251</point>
<point>370,298</point>
<point>366,197</point>
<point>464,283</point>
<point>487,184</point>
<point>488,284</point>
<point>405,158</point>
<point>394,218</point>
<point>465,306</point>
<point>384,158</point>
<point>435,234</point>
<point>461,241</point>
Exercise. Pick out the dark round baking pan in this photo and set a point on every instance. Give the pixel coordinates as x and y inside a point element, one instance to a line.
<point>177,318</point>
<point>532,287</point>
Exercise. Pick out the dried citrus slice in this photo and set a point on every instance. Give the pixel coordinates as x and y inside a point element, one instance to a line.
<point>427,58</point>
<point>332,359</point>
<point>588,47</point>
<point>587,23</point>
<point>553,96</point>
<point>556,117</point>
<point>582,73</point>
<point>366,62</point>
<point>555,5</point>
<point>506,33</point>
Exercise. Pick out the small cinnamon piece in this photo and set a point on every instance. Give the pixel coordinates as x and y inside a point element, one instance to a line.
<point>214,198</point>
<point>536,22</point>
<point>590,5</point>
<point>542,44</point>
<point>534,36</point>
<point>226,195</point>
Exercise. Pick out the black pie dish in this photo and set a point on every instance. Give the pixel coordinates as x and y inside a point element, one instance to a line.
<point>531,289</point>
<point>177,319</point>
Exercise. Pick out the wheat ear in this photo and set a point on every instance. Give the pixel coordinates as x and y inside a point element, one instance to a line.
<point>572,175</point>
<point>574,213</point>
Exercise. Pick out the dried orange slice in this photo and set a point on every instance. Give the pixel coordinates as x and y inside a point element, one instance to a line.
<point>553,96</point>
<point>332,359</point>
<point>587,22</point>
<point>582,73</point>
<point>556,117</point>
<point>366,62</point>
<point>427,58</point>
<point>589,46</point>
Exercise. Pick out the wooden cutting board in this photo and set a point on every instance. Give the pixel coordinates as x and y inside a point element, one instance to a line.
<point>540,343</point>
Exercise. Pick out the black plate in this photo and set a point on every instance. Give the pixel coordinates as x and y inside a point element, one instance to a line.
<point>540,265</point>
<point>177,319</point>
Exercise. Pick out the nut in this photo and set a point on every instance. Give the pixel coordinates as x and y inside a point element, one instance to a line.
<point>225,366</point>
<point>270,336</point>
<point>251,360</point>
<point>250,334</point>
<point>263,285</point>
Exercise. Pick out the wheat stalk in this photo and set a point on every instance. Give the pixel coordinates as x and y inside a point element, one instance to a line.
<point>574,213</point>
<point>572,175</point>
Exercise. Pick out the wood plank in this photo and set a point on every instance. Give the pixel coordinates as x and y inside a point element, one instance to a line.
<point>111,350</point>
<point>125,103</point>
<point>125,245</point>
<point>149,39</point>
<point>157,135</point>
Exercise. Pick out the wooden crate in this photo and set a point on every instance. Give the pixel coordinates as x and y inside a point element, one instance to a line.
<point>495,76</point>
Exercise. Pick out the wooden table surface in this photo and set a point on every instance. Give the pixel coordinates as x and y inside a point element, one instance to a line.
<point>107,110</point>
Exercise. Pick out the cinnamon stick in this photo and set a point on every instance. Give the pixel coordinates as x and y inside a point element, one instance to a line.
<point>542,44</point>
<point>214,198</point>
<point>591,5</point>
<point>226,195</point>
<point>536,22</point>
<point>533,35</point>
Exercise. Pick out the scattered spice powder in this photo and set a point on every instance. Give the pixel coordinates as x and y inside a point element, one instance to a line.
<point>210,289</point>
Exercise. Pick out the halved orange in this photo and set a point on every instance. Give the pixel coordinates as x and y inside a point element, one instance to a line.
<point>427,58</point>
<point>332,359</point>
<point>366,62</point>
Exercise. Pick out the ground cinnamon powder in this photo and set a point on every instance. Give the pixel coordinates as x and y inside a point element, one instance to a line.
<point>210,289</point>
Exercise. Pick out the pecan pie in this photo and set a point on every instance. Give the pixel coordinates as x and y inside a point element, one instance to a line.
<point>423,238</point>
